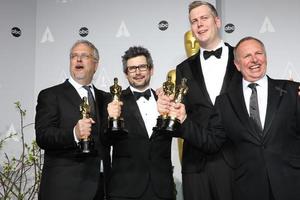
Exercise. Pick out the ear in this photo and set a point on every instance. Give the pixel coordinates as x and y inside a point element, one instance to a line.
<point>96,66</point>
<point>237,65</point>
<point>152,70</point>
<point>218,22</point>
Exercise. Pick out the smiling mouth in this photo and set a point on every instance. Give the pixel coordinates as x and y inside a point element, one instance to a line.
<point>255,67</point>
<point>201,32</point>
<point>139,78</point>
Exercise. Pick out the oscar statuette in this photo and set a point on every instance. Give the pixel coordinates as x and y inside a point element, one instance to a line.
<point>171,123</point>
<point>86,145</point>
<point>169,89</point>
<point>116,124</point>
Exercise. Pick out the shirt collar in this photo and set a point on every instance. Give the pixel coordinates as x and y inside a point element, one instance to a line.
<point>261,82</point>
<point>136,90</point>
<point>77,85</point>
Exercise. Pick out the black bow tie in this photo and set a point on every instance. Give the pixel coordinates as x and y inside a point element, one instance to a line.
<point>146,94</point>
<point>217,53</point>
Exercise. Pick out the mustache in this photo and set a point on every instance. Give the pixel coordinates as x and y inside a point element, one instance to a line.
<point>138,76</point>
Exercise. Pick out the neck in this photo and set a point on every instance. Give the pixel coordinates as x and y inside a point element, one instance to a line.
<point>211,45</point>
<point>83,82</point>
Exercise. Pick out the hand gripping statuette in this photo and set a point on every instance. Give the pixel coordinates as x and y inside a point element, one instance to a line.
<point>166,122</point>
<point>116,124</point>
<point>86,145</point>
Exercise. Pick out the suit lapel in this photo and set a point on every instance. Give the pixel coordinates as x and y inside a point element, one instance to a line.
<point>275,94</point>
<point>70,93</point>
<point>197,72</point>
<point>100,101</point>
<point>133,109</point>
<point>236,96</point>
<point>154,93</point>
<point>231,70</point>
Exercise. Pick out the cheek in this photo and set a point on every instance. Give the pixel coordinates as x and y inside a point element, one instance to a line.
<point>129,77</point>
<point>194,28</point>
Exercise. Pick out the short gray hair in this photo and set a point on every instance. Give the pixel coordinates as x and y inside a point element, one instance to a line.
<point>89,44</point>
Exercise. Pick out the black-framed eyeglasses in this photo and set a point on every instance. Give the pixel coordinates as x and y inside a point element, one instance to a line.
<point>142,67</point>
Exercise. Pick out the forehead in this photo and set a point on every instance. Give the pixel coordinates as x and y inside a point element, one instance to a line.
<point>82,48</point>
<point>136,60</point>
<point>249,46</point>
<point>200,11</point>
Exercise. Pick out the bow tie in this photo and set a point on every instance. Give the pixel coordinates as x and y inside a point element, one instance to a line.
<point>217,53</point>
<point>146,94</point>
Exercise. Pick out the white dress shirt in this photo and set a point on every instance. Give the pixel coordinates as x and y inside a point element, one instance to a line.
<point>214,70</point>
<point>79,88</point>
<point>148,109</point>
<point>262,97</point>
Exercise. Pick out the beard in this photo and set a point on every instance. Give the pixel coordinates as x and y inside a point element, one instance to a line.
<point>140,85</point>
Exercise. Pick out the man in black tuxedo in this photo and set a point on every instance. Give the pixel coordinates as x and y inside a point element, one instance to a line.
<point>67,172</point>
<point>206,177</point>
<point>261,118</point>
<point>141,160</point>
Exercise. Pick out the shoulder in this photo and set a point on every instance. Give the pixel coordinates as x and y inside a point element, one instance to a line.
<point>55,89</point>
<point>189,61</point>
<point>127,92</point>
<point>101,92</point>
<point>282,82</point>
<point>105,96</point>
<point>229,46</point>
<point>284,87</point>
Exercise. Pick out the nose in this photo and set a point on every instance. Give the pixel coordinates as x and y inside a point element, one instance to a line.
<point>199,23</point>
<point>137,70</point>
<point>79,59</point>
<point>253,59</point>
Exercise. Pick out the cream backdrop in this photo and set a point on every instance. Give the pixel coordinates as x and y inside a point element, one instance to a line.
<point>36,36</point>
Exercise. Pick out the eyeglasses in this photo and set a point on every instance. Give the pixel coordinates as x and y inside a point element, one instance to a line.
<point>84,56</point>
<point>142,67</point>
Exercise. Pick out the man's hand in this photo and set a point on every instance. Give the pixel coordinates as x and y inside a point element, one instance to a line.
<point>83,128</point>
<point>114,109</point>
<point>178,110</point>
<point>163,103</point>
<point>299,91</point>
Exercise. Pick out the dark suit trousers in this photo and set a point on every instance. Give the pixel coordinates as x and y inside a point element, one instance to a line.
<point>214,182</point>
<point>100,195</point>
<point>149,194</point>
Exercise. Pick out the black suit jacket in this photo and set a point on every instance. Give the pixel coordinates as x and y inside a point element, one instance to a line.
<point>199,106</point>
<point>138,160</point>
<point>67,174</point>
<point>273,159</point>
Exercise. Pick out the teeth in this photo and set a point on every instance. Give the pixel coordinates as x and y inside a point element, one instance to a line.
<point>254,67</point>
